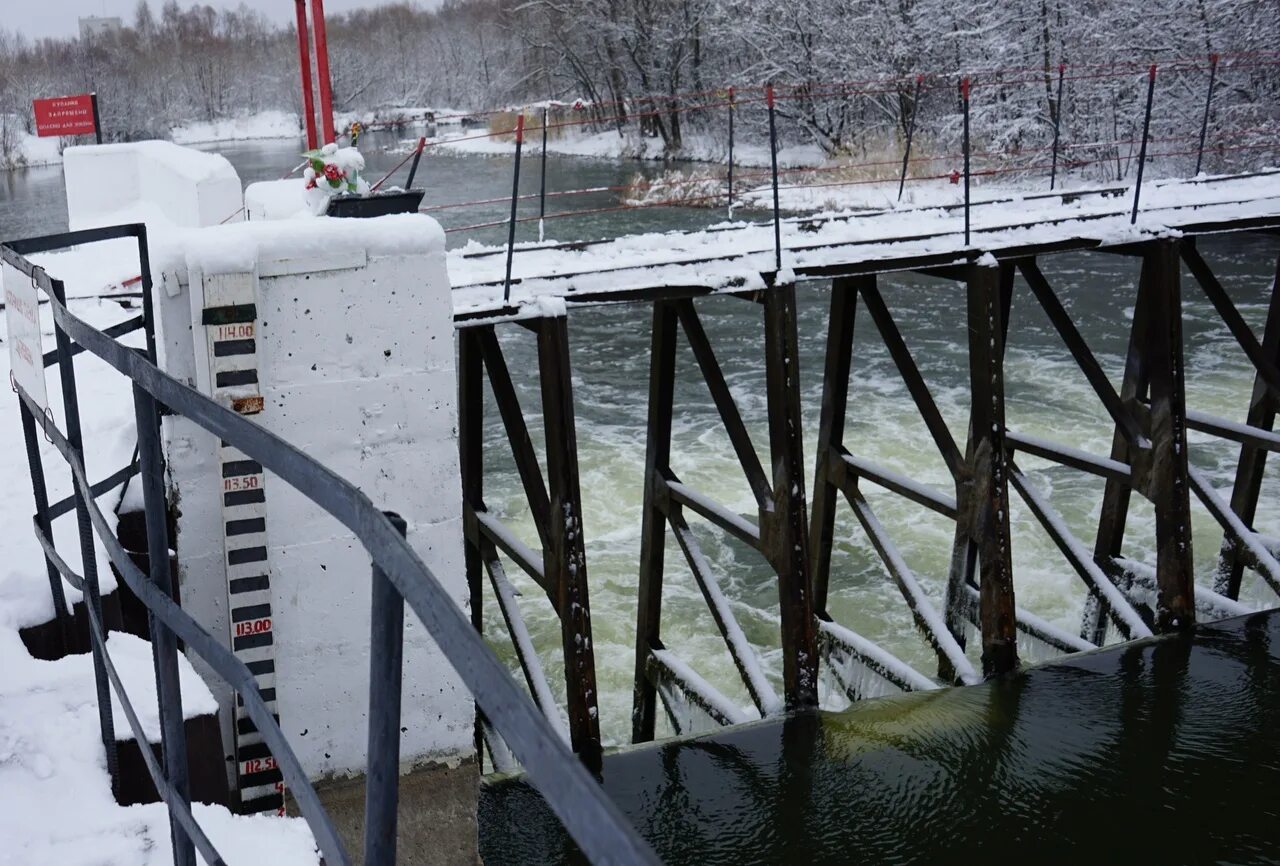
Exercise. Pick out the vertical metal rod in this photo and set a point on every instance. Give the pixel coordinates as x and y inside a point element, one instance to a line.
<point>148,303</point>
<point>784,528</point>
<point>322,72</point>
<point>515,200</point>
<point>988,499</point>
<point>565,558</point>
<point>88,551</point>
<point>653,526</point>
<point>835,398</point>
<point>304,58</point>
<point>164,645</point>
<point>964,98</point>
<point>97,120</point>
<point>61,612</point>
<point>773,162</point>
<point>731,113</point>
<point>1208,102</point>
<point>1057,127</point>
<point>911,131</point>
<point>542,176</point>
<point>1142,151</point>
<point>386,669</point>
<point>413,166</point>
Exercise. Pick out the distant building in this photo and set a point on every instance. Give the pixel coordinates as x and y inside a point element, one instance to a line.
<point>95,26</point>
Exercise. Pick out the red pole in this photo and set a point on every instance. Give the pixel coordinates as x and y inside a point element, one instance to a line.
<point>304,57</point>
<point>322,72</point>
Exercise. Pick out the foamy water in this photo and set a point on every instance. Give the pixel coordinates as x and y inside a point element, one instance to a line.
<point>1046,396</point>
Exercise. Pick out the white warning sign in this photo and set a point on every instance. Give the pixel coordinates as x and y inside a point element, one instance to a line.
<point>22,315</point>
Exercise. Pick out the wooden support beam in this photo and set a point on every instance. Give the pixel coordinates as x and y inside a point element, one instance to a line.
<point>565,560</point>
<point>831,422</point>
<point>504,394</point>
<point>1253,457</point>
<point>784,528</point>
<point>653,521</point>
<point>988,497</point>
<point>724,402</point>
<point>1168,486</point>
<point>1124,448</point>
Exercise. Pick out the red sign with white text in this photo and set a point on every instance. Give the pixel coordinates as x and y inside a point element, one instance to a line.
<point>64,115</point>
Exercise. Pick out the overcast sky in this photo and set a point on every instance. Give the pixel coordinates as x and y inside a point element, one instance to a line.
<point>59,17</point>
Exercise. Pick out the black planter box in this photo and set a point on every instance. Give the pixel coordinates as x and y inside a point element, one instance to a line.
<point>375,204</point>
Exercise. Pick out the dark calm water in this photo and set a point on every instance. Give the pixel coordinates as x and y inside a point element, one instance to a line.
<point>1162,752</point>
<point>1046,396</point>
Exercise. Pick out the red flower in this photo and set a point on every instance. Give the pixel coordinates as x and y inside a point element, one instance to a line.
<point>332,172</point>
<point>955,175</point>
<point>311,183</point>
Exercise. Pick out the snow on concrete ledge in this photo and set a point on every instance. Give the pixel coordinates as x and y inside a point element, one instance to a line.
<point>183,186</point>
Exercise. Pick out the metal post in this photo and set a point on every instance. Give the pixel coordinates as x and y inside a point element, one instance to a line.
<point>322,72</point>
<point>988,499</point>
<point>773,162</point>
<point>911,131</point>
<point>653,526</point>
<point>148,303</point>
<point>542,178</point>
<point>413,166</point>
<point>1057,126</point>
<point>386,668</point>
<point>66,622</point>
<point>835,397</point>
<point>304,58</point>
<point>164,646</point>
<point>964,98</point>
<point>88,550</point>
<point>515,199</point>
<point>784,530</point>
<point>565,558</point>
<point>97,121</point>
<point>1142,152</point>
<point>1208,102</point>
<point>731,112</point>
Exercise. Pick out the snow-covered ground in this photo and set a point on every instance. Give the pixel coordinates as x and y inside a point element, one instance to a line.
<point>56,804</point>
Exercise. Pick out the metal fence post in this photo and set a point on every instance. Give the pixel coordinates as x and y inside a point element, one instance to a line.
<point>773,162</point>
<point>1142,152</point>
<point>88,552</point>
<point>386,664</point>
<point>164,649</point>
<point>515,199</point>
<point>61,611</point>
<point>542,177</point>
<point>1057,127</point>
<point>911,131</point>
<point>1208,102</point>
<point>731,152</point>
<point>964,98</point>
<point>413,166</point>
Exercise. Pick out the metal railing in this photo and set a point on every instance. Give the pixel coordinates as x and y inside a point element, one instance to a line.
<point>398,574</point>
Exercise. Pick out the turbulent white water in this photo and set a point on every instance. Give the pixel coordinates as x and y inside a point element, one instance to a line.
<point>1046,396</point>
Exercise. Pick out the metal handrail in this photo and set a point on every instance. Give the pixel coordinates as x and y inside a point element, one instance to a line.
<point>590,817</point>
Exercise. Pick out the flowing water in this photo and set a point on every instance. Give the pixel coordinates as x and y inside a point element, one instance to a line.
<point>1046,396</point>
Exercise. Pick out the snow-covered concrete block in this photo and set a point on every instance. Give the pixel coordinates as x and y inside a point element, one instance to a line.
<point>108,184</point>
<point>275,199</point>
<point>354,351</point>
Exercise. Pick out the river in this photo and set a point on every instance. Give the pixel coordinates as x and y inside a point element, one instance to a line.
<point>1046,396</point>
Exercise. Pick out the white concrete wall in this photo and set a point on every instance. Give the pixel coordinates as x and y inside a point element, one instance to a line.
<point>110,183</point>
<point>355,352</point>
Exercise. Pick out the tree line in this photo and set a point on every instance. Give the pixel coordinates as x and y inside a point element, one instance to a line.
<point>633,62</point>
